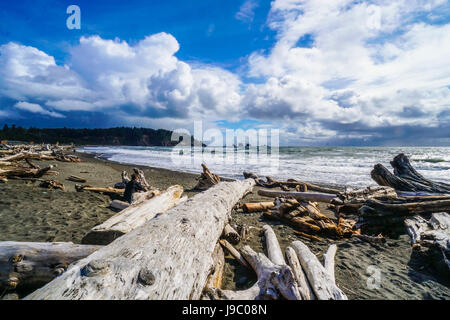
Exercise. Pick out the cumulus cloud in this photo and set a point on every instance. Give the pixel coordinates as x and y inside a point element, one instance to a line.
<point>368,62</point>
<point>366,66</point>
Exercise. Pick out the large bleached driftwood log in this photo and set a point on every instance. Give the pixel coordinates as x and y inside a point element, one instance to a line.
<point>321,281</point>
<point>304,287</point>
<point>406,178</point>
<point>132,217</point>
<point>33,264</point>
<point>169,257</point>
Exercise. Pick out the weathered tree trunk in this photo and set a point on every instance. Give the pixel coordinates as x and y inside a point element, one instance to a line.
<point>132,217</point>
<point>274,252</point>
<point>305,196</point>
<point>328,261</point>
<point>33,264</point>
<point>320,280</point>
<point>303,285</point>
<point>406,178</point>
<point>360,196</point>
<point>169,257</point>
<point>374,208</point>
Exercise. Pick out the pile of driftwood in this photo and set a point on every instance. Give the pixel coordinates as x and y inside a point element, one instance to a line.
<point>403,198</point>
<point>16,162</point>
<point>167,248</point>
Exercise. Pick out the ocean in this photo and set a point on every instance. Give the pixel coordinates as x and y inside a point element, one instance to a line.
<point>342,166</point>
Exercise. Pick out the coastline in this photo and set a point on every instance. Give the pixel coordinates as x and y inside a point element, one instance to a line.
<point>31,213</point>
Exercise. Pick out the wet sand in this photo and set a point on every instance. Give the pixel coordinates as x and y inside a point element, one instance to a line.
<point>31,213</point>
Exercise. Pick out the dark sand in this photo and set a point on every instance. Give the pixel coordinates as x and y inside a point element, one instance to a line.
<point>31,213</point>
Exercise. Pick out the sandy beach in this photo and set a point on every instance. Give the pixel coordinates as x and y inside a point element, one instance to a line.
<point>31,213</point>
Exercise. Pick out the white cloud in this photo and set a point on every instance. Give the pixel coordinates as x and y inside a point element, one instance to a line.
<point>36,108</point>
<point>371,63</point>
<point>378,51</point>
<point>246,12</point>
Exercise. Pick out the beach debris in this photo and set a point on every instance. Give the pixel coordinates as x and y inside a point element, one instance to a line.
<point>306,217</point>
<point>52,184</point>
<point>235,253</point>
<point>290,183</point>
<point>107,190</point>
<point>77,179</point>
<point>25,172</point>
<point>406,178</point>
<point>171,257</point>
<point>433,234</point>
<point>302,277</point>
<point>305,196</point>
<point>230,234</point>
<point>243,230</point>
<point>134,216</point>
<point>207,179</point>
<point>257,206</point>
<point>141,179</point>
<point>33,264</point>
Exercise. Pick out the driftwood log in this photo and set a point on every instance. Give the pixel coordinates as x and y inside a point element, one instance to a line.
<point>33,264</point>
<point>406,178</point>
<point>433,234</point>
<point>107,190</point>
<point>303,216</point>
<point>169,257</point>
<point>375,208</point>
<point>132,217</point>
<point>305,196</point>
<point>20,172</point>
<point>207,179</point>
<point>302,278</point>
<point>258,206</point>
<point>322,282</point>
<point>235,253</point>
<point>275,278</point>
<point>231,235</point>
<point>290,183</point>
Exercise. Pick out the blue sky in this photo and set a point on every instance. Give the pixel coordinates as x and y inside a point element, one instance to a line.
<point>208,30</point>
<point>322,72</point>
